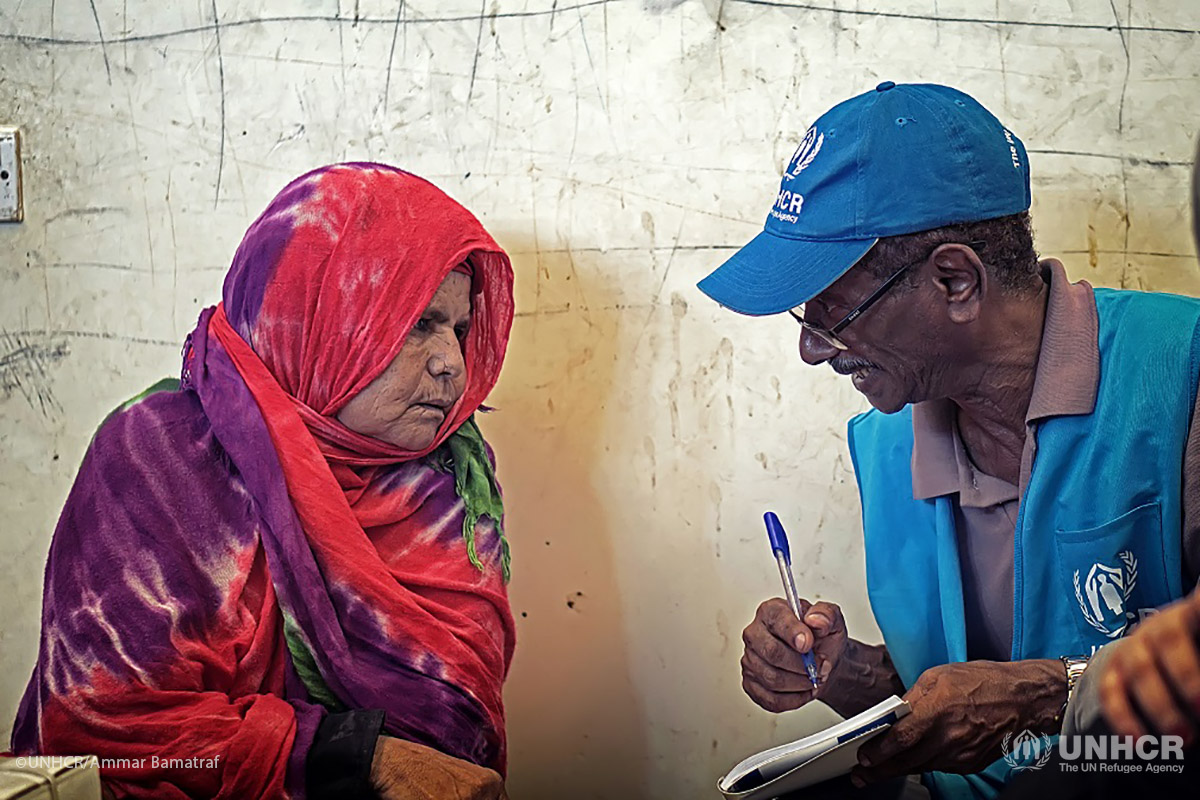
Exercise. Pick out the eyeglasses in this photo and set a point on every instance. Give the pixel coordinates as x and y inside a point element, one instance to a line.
<point>830,335</point>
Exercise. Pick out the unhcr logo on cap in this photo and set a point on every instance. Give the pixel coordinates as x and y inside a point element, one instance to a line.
<point>788,203</point>
<point>805,153</point>
<point>787,206</point>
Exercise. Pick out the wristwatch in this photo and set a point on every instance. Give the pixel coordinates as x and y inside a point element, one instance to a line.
<point>1075,666</point>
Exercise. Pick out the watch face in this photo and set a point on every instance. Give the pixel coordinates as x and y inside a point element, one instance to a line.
<point>1075,667</point>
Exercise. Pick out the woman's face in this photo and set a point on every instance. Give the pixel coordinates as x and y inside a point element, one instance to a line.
<point>406,404</point>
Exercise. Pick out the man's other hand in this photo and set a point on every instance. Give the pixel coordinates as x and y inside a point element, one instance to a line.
<point>960,715</point>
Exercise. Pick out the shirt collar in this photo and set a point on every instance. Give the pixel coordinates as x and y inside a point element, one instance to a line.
<point>1068,370</point>
<point>940,464</point>
<point>934,461</point>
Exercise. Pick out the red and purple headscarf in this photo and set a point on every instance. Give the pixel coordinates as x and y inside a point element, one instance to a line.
<point>232,560</point>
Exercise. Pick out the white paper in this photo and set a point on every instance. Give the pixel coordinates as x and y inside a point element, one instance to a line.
<point>821,756</point>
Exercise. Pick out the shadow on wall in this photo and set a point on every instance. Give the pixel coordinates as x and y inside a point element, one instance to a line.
<point>575,728</point>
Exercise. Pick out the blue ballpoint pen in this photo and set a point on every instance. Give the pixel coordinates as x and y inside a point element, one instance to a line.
<point>783,557</point>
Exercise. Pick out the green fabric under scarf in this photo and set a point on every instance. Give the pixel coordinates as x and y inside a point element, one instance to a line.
<point>465,452</point>
<point>306,666</point>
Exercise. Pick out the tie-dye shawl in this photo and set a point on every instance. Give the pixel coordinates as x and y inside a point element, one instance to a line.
<point>206,521</point>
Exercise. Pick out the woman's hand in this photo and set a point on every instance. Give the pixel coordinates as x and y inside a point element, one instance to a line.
<point>407,771</point>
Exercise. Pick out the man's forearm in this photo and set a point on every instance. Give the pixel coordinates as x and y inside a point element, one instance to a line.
<point>1034,691</point>
<point>864,676</point>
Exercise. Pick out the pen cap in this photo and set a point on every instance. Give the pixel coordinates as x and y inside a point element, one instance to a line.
<point>777,536</point>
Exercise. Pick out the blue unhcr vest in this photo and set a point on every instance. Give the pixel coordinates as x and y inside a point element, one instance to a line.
<point>1097,536</point>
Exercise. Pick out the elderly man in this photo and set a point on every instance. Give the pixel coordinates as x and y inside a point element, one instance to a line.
<point>1028,480</point>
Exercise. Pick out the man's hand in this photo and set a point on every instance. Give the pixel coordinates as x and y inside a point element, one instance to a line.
<point>406,771</point>
<point>1151,681</point>
<point>773,672</point>
<point>960,714</point>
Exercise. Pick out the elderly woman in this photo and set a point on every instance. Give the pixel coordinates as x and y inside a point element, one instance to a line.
<point>285,577</point>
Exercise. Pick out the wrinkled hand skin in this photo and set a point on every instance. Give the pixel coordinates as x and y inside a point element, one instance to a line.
<point>960,714</point>
<point>1150,683</point>
<point>854,676</point>
<point>403,770</point>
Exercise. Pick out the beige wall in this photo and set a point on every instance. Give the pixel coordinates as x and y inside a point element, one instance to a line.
<point>619,150</point>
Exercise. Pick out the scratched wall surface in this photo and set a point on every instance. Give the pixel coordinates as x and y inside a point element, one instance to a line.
<point>619,150</point>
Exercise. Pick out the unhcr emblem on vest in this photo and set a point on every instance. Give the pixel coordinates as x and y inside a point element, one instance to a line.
<point>1104,593</point>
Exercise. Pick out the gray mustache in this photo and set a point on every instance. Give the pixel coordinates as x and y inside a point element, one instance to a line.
<point>845,366</point>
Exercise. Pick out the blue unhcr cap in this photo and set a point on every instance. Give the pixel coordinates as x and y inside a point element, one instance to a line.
<point>900,159</point>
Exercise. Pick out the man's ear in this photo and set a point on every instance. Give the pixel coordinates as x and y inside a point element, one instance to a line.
<point>961,279</point>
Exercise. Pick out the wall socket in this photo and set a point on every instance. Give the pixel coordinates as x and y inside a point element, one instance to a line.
<point>12,205</point>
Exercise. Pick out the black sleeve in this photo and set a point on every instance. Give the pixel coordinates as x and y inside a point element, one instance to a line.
<point>339,761</point>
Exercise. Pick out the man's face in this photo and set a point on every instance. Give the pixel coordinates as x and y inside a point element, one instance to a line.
<point>893,346</point>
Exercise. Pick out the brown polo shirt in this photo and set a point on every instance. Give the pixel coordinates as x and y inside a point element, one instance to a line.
<point>985,507</point>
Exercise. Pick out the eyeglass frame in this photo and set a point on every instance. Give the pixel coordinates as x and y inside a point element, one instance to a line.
<point>830,335</point>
